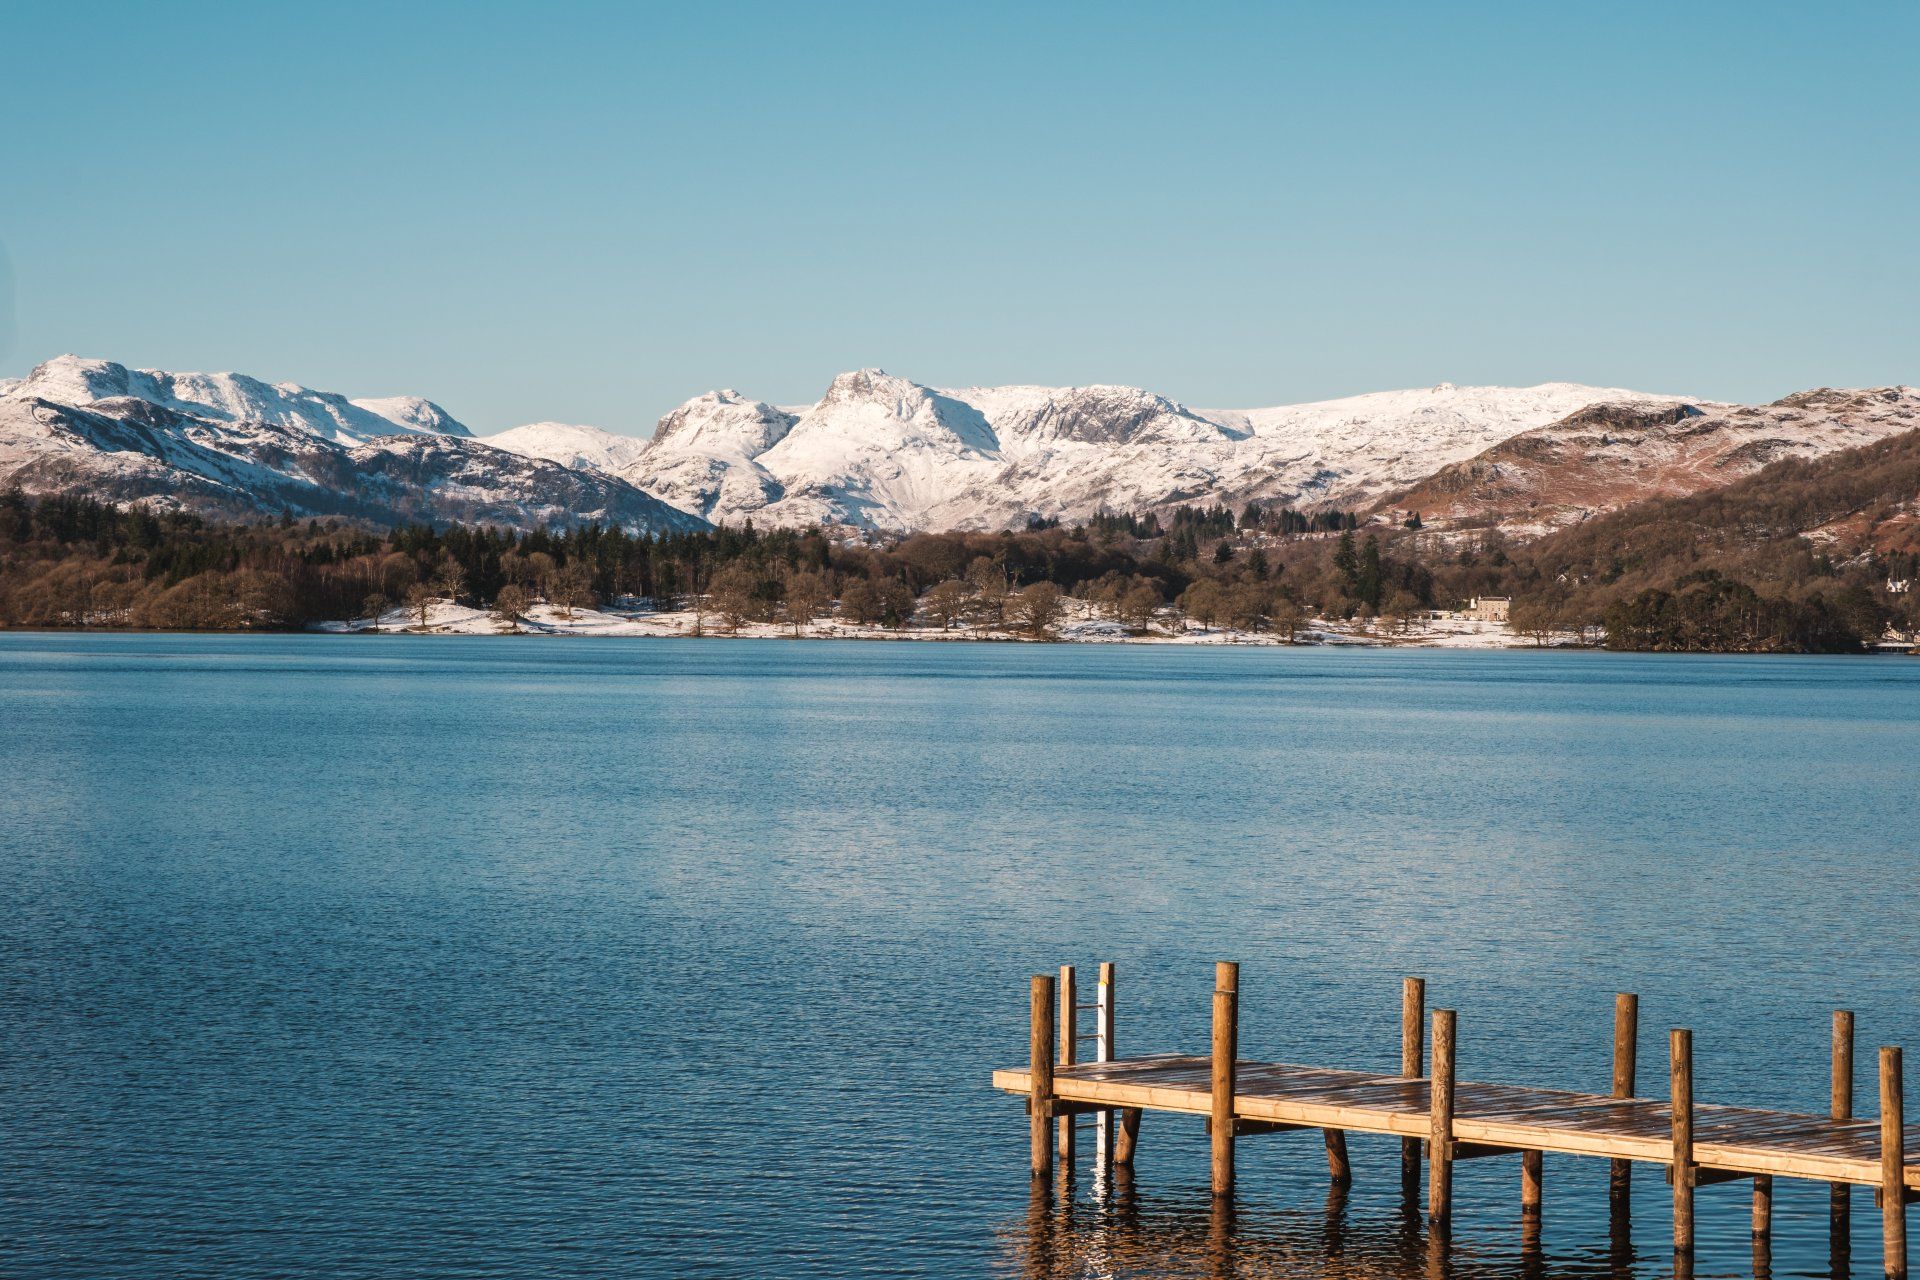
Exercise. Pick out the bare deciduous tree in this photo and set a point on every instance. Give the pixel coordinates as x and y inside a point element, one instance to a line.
<point>1036,607</point>
<point>949,601</point>
<point>510,604</point>
<point>420,598</point>
<point>807,596</point>
<point>571,588</point>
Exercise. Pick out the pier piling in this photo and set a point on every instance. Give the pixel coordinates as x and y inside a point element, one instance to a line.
<point>1680,1050</point>
<point>1440,1148</point>
<point>1626,1043</point>
<point>1893,1182</point>
<point>1103,1033</point>
<point>1040,1095</point>
<point>1067,1050</point>
<point>1840,1194</point>
<point>1413,1036</point>
<point>1226,1048</point>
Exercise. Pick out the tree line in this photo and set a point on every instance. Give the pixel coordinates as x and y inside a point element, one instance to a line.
<point>1726,571</point>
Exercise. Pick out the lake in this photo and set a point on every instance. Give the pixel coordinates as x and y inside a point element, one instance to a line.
<point>504,957</point>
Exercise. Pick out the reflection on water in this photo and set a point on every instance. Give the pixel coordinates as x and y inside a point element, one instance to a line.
<point>1104,1225</point>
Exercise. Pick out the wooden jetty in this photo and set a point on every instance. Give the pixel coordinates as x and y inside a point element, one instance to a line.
<point>1447,1120</point>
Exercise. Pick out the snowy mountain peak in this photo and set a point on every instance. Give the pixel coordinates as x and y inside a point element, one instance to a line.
<point>235,397</point>
<point>570,445</point>
<point>871,408</point>
<point>1099,414</point>
<point>889,453</point>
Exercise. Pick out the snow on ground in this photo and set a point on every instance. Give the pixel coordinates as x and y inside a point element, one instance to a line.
<point>1079,624</point>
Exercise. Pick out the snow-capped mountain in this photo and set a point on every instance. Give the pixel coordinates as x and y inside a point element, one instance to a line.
<point>704,456</point>
<point>234,397</point>
<point>886,453</point>
<point>304,459</point>
<point>1608,455</point>
<point>570,445</point>
<point>883,452</point>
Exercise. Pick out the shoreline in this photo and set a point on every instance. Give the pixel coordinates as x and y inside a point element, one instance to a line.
<point>1078,624</point>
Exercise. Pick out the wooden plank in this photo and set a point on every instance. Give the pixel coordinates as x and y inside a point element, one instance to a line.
<point>1734,1139</point>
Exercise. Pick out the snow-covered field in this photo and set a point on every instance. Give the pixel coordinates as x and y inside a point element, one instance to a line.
<point>1079,624</point>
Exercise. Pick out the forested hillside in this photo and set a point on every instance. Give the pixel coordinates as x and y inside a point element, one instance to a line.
<point>1804,556</point>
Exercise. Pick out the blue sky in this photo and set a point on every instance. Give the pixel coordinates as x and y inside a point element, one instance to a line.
<point>590,212</point>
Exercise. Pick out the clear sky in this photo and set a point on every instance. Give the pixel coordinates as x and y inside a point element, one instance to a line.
<point>590,213</point>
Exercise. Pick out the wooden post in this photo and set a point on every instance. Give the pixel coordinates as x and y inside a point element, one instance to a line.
<point>1413,1018</point>
<point>1626,1042</point>
<point>1440,1130</point>
<point>1531,1173</point>
<point>1893,1169</point>
<point>1762,1205</point>
<point>1226,1049</point>
<point>1339,1167</point>
<point>1040,1092</point>
<point>1103,1052</point>
<point>1127,1138</point>
<point>1840,1194</point>
<point>1680,1048</point>
<point>1068,1050</point>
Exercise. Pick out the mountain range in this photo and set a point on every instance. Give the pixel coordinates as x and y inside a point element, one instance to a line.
<point>883,453</point>
<point>231,446</point>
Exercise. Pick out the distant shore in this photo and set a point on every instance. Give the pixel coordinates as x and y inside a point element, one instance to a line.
<point>1079,623</point>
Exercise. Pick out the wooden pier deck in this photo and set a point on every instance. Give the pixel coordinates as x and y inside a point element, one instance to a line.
<point>1450,1120</point>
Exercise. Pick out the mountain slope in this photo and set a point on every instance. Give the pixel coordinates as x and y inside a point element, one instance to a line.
<point>570,445</point>
<point>703,457</point>
<point>1607,456</point>
<point>234,397</point>
<point>128,449</point>
<point>1846,504</point>
<point>886,453</point>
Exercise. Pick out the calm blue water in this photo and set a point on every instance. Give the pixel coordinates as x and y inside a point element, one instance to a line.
<point>351,957</point>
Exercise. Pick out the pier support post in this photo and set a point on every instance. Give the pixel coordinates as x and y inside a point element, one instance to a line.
<point>1840,1194</point>
<point>1226,1049</point>
<point>1127,1137</point>
<point>1440,1131</point>
<point>1413,1018</point>
<point>1762,1206</point>
<point>1040,1066</point>
<point>1103,1052</point>
<point>1339,1167</point>
<point>1068,1048</point>
<point>1626,1043</point>
<point>1680,1048</point>
<point>1893,1171</point>
<point>1532,1173</point>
